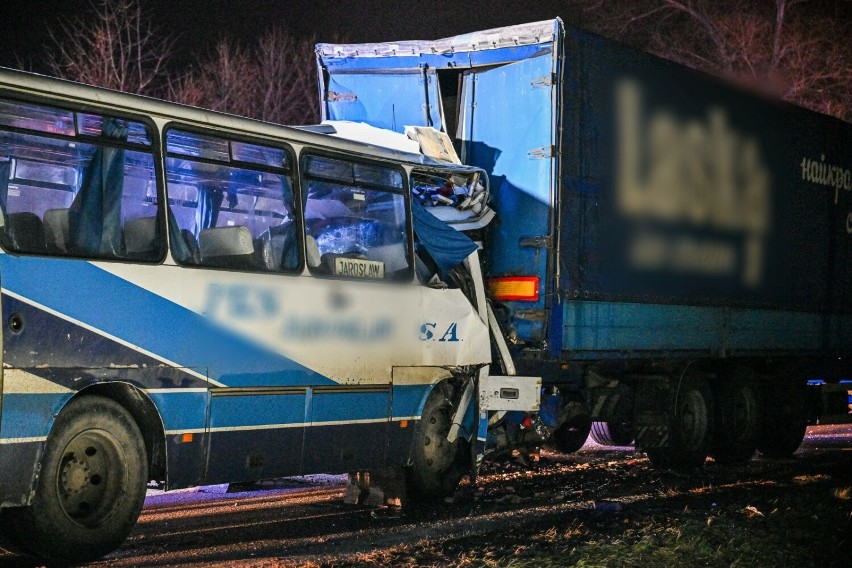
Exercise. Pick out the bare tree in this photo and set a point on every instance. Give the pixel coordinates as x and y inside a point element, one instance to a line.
<point>273,81</point>
<point>287,78</point>
<point>115,48</point>
<point>225,82</point>
<point>787,47</point>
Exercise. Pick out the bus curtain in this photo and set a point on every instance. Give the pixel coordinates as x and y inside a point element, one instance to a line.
<point>207,213</point>
<point>445,245</point>
<point>94,220</point>
<point>210,203</point>
<point>287,229</point>
<point>5,170</point>
<point>180,248</point>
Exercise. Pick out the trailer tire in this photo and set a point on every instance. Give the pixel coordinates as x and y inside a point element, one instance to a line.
<point>437,466</point>
<point>91,485</point>
<point>612,433</point>
<point>572,435</point>
<point>690,426</point>
<point>784,419</point>
<point>737,422</point>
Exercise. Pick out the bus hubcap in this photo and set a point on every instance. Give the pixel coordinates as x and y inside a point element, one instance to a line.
<point>89,477</point>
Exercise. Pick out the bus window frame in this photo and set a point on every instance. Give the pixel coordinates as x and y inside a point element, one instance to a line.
<point>405,191</point>
<point>154,149</point>
<point>240,136</point>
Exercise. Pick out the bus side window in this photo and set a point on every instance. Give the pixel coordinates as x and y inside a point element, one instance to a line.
<point>72,183</point>
<point>356,215</point>
<point>230,204</point>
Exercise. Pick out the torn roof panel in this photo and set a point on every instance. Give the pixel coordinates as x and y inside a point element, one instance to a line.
<point>508,43</point>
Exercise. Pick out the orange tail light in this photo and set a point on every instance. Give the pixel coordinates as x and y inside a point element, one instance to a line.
<point>522,288</point>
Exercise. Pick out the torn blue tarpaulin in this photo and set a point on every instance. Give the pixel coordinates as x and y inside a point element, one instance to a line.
<point>445,245</point>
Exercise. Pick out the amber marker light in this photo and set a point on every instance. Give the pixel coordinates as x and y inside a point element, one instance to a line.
<point>519,288</point>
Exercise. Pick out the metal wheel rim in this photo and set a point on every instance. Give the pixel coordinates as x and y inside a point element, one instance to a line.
<point>693,419</point>
<point>745,410</point>
<point>90,477</point>
<point>437,450</point>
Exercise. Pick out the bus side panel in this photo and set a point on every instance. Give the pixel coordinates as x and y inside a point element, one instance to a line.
<point>50,359</point>
<point>17,476</point>
<point>29,405</point>
<point>255,435</point>
<point>348,430</point>
<point>73,333</point>
<point>412,386</point>
<point>184,413</point>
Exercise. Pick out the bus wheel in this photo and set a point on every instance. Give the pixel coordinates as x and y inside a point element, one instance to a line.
<point>690,426</point>
<point>784,419</point>
<point>437,465</point>
<point>737,422</point>
<point>91,487</point>
<point>612,433</point>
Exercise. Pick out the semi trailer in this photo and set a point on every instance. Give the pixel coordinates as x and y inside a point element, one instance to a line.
<point>671,253</point>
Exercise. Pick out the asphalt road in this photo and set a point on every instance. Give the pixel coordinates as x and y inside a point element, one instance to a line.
<point>304,521</point>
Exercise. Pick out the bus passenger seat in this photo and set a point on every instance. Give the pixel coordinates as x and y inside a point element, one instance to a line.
<point>140,238</point>
<point>24,232</point>
<point>56,234</point>
<point>227,247</point>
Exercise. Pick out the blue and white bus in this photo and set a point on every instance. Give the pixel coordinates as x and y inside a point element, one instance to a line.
<point>195,298</point>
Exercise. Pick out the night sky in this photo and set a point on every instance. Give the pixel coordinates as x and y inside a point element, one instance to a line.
<point>198,24</point>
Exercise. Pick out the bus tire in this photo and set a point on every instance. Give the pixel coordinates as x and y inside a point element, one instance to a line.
<point>690,426</point>
<point>91,485</point>
<point>437,466</point>
<point>784,419</point>
<point>612,433</point>
<point>737,422</point>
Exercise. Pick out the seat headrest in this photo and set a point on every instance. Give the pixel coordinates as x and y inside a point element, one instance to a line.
<point>225,241</point>
<point>140,235</point>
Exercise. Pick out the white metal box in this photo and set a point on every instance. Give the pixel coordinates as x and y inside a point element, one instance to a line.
<point>498,392</point>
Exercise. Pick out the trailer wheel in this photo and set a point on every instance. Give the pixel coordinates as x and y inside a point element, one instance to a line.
<point>737,422</point>
<point>612,433</point>
<point>784,419</point>
<point>91,487</point>
<point>690,426</point>
<point>572,435</point>
<point>437,465</point>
